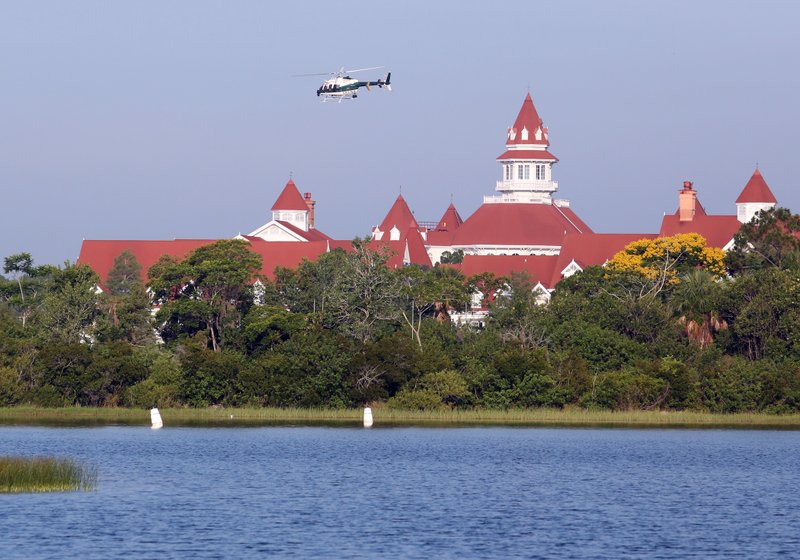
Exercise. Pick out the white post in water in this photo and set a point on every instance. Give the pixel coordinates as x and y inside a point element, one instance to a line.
<point>155,419</point>
<point>367,417</point>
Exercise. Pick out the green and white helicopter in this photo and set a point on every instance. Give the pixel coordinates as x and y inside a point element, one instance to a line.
<point>340,85</point>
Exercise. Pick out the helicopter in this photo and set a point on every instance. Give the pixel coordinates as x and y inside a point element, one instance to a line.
<point>341,86</point>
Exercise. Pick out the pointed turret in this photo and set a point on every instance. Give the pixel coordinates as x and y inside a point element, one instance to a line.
<point>450,220</point>
<point>292,208</point>
<point>290,199</point>
<point>398,221</point>
<point>529,127</point>
<point>755,196</point>
<point>527,166</point>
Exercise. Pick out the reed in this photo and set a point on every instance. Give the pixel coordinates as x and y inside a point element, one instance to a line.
<point>44,474</point>
<point>388,416</point>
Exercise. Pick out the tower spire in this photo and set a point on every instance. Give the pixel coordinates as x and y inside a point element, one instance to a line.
<point>527,164</point>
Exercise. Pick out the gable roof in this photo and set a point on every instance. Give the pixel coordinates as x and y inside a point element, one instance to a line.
<point>756,190</point>
<point>290,199</point>
<point>519,224</point>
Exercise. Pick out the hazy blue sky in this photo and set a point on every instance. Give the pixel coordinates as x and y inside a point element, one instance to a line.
<point>157,120</point>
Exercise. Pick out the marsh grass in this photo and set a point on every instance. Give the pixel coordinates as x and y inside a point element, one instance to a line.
<point>387,416</point>
<point>44,474</point>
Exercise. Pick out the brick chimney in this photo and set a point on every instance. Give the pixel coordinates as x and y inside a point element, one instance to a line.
<point>687,198</point>
<point>310,203</point>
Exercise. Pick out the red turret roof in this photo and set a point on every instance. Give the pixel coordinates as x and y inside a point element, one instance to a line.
<point>756,190</point>
<point>290,199</point>
<point>399,216</point>
<point>450,220</point>
<point>528,119</point>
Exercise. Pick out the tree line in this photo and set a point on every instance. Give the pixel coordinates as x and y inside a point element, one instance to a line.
<point>668,323</point>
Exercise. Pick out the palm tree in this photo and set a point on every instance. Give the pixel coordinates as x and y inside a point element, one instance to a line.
<point>695,299</point>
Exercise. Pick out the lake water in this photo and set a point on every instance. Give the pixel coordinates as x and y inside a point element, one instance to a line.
<point>316,492</point>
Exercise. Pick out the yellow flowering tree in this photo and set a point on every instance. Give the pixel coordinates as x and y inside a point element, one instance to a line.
<point>663,259</point>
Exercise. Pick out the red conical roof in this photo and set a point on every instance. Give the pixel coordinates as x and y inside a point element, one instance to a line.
<point>399,216</point>
<point>290,199</point>
<point>756,190</point>
<point>450,219</point>
<point>528,119</point>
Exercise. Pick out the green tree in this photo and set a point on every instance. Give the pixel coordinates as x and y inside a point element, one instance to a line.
<point>430,293</point>
<point>69,309</point>
<point>452,257</point>
<point>32,283</point>
<point>211,290</point>
<point>363,297</point>
<point>518,316</point>
<point>125,274</point>
<point>696,300</point>
<point>306,288</point>
<point>433,391</point>
<point>770,239</point>
<point>267,325</point>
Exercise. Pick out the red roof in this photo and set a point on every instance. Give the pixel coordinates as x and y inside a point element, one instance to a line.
<point>310,235</point>
<point>591,249</point>
<point>412,239</point>
<point>519,224</point>
<point>450,220</point>
<point>100,254</point>
<point>756,190</point>
<point>718,230</point>
<point>540,267</point>
<point>399,216</point>
<point>289,254</point>
<point>528,119</point>
<point>527,154</point>
<point>290,199</point>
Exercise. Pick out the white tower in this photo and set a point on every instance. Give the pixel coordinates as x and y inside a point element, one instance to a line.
<point>526,165</point>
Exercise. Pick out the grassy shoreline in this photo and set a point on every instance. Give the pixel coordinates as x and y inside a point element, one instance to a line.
<point>83,416</point>
<point>44,474</point>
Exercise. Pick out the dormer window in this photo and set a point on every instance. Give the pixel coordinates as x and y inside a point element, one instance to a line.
<point>538,134</point>
<point>524,134</point>
<point>512,134</point>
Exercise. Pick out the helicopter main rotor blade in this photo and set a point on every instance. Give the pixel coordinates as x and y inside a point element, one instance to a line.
<point>315,74</point>
<point>363,69</point>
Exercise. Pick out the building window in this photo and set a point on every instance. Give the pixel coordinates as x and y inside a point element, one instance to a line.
<point>527,172</point>
<point>519,171</point>
<point>540,176</point>
<point>509,171</point>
